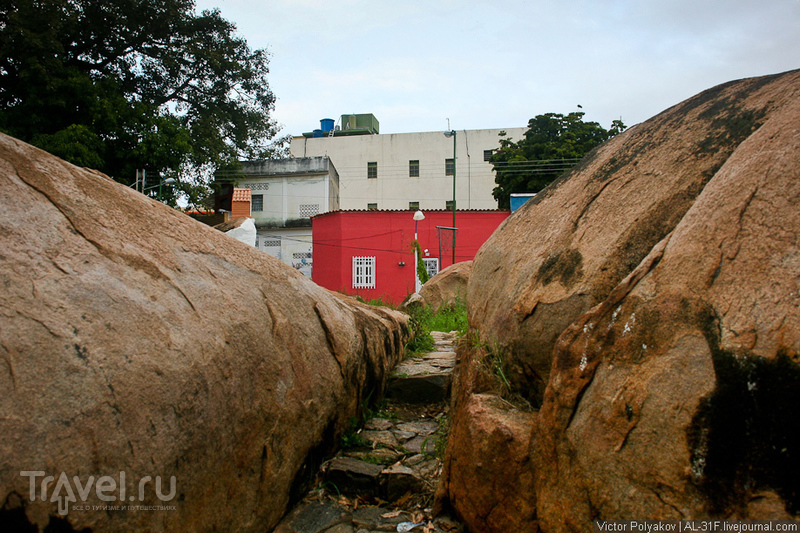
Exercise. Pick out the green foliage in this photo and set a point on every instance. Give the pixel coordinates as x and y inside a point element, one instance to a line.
<point>377,460</point>
<point>377,302</point>
<point>441,435</point>
<point>553,144</point>
<point>424,320</point>
<point>352,439</point>
<point>491,359</point>
<point>422,272</point>
<point>451,318</point>
<point>421,339</point>
<point>121,85</point>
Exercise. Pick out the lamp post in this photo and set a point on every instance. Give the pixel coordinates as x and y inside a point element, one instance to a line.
<point>419,215</point>
<point>448,134</point>
<point>160,183</point>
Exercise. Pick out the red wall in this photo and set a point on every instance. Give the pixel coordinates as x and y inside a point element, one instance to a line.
<point>240,209</point>
<point>387,235</point>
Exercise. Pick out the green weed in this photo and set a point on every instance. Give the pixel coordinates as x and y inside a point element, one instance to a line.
<point>424,320</point>
<point>377,302</point>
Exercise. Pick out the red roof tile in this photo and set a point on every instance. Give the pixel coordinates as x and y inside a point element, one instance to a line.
<point>241,195</point>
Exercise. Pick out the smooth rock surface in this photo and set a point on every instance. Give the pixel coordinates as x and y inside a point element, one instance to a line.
<point>446,287</point>
<point>134,339</point>
<point>567,248</point>
<point>646,306</point>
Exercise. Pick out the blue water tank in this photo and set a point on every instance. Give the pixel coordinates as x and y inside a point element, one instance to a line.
<point>326,124</point>
<point>317,133</point>
<point>518,199</point>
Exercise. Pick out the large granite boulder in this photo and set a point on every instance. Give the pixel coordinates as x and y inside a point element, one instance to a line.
<point>448,286</point>
<point>647,304</point>
<point>564,250</point>
<point>137,344</point>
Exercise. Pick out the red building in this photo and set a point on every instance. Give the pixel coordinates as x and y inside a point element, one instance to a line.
<point>370,253</point>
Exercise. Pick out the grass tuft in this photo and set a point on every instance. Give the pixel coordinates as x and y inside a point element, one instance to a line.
<point>424,320</point>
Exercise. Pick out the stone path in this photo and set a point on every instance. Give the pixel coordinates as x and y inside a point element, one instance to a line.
<point>385,476</point>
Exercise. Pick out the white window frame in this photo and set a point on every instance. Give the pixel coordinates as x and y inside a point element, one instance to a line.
<point>431,261</point>
<point>363,272</point>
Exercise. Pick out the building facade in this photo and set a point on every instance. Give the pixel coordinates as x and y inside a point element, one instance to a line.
<point>284,195</point>
<point>406,170</point>
<point>370,253</point>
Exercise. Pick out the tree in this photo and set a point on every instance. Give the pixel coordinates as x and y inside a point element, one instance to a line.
<point>121,85</point>
<point>553,144</point>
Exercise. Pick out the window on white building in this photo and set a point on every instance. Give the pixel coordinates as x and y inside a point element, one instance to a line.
<point>431,265</point>
<point>372,207</point>
<point>449,166</point>
<point>363,272</point>
<point>413,206</point>
<point>372,169</point>
<point>257,202</point>
<point>413,168</point>
<point>448,205</point>
<point>487,154</point>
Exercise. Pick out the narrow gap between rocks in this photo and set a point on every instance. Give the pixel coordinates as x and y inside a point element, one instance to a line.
<point>385,475</point>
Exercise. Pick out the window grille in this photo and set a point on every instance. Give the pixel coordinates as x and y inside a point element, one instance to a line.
<point>363,272</point>
<point>431,265</point>
<point>413,168</point>
<point>256,186</point>
<point>258,202</point>
<point>449,167</point>
<point>308,210</point>
<point>272,243</point>
<point>487,154</point>
<point>372,169</point>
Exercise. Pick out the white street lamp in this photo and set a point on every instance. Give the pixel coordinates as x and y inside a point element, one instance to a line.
<point>419,215</point>
<point>160,183</point>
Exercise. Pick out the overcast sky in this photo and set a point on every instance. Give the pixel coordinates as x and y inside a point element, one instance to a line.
<point>496,64</point>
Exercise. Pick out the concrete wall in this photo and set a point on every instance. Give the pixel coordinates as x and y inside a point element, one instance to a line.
<point>287,200</point>
<point>394,188</point>
<point>296,165</point>
<point>293,247</point>
<point>291,190</point>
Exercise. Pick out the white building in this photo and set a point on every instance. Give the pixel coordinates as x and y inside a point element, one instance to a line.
<point>285,194</point>
<point>405,170</point>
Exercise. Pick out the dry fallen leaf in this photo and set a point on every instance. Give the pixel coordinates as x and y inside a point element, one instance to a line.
<point>344,501</point>
<point>403,499</point>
